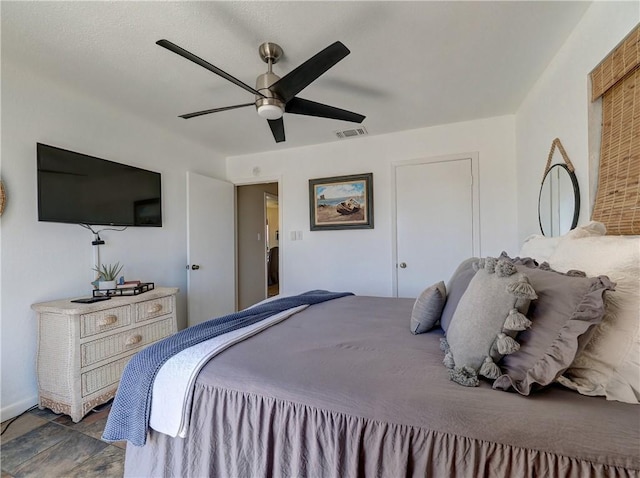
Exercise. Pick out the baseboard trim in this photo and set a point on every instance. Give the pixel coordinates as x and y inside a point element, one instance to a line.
<point>17,408</point>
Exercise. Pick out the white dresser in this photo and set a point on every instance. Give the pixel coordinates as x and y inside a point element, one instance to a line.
<point>83,348</point>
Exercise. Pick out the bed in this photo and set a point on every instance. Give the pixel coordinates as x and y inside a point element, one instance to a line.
<point>342,389</point>
<point>354,394</point>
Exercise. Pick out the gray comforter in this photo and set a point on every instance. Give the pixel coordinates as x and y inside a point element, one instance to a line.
<point>344,389</point>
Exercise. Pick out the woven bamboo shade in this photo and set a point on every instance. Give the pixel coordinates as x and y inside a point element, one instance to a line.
<point>624,58</point>
<point>3,198</point>
<point>617,80</point>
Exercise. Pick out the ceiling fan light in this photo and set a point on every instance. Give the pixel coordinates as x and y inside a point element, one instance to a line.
<point>270,112</point>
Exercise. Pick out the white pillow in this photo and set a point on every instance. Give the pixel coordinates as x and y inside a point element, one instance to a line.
<point>541,248</point>
<point>610,363</point>
<point>592,228</point>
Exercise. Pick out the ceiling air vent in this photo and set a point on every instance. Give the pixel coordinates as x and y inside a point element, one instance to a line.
<point>351,133</point>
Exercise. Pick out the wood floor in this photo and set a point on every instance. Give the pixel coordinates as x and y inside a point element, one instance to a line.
<point>43,444</point>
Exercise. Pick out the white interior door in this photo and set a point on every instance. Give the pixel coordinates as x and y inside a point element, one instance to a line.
<point>210,248</point>
<point>436,221</point>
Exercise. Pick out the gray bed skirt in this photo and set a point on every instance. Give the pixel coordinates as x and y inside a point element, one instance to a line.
<point>251,436</point>
<point>343,389</point>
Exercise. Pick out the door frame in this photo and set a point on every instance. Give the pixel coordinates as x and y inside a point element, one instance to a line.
<point>281,252</point>
<point>475,195</point>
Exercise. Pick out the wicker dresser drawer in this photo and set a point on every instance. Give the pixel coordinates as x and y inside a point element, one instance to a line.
<point>115,344</point>
<point>154,308</point>
<point>102,377</point>
<point>104,320</point>
<point>83,348</point>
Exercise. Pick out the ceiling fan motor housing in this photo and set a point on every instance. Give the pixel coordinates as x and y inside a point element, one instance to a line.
<point>269,106</point>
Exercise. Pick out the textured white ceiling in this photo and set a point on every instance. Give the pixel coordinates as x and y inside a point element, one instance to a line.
<point>412,64</point>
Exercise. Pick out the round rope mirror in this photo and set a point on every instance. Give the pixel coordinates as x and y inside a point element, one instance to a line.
<point>559,199</point>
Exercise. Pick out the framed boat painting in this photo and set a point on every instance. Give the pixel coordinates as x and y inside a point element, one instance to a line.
<point>341,202</point>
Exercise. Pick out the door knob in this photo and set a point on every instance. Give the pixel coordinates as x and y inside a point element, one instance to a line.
<point>403,265</point>
<point>195,267</point>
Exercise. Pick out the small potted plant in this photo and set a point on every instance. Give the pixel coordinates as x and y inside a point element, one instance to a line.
<point>107,275</point>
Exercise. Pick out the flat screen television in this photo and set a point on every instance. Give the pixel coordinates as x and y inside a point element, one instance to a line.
<point>80,189</point>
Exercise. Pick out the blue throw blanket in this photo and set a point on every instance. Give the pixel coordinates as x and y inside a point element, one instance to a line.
<point>131,409</point>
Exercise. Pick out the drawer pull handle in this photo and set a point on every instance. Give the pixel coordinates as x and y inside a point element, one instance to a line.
<point>108,320</point>
<point>133,340</point>
<point>154,309</point>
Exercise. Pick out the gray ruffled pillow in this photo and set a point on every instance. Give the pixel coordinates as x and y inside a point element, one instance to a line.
<point>568,308</point>
<point>427,308</point>
<point>489,315</point>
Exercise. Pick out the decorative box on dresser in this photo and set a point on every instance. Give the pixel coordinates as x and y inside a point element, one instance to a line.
<point>83,348</point>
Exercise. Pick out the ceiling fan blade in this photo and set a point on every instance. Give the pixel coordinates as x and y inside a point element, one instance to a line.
<point>301,106</point>
<point>277,128</point>
<point>205,64</point>
<point>214,110</point>
<point>295,81</point>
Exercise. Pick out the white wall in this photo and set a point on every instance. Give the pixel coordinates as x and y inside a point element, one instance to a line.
<point>45,261</point>
<point>361,260</point>
<point>557,106</point>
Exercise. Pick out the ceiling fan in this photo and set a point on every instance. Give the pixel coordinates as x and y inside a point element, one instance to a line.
<point>275,96</point>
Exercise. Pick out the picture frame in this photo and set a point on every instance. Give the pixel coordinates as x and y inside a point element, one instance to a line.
<point>341,202</point>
